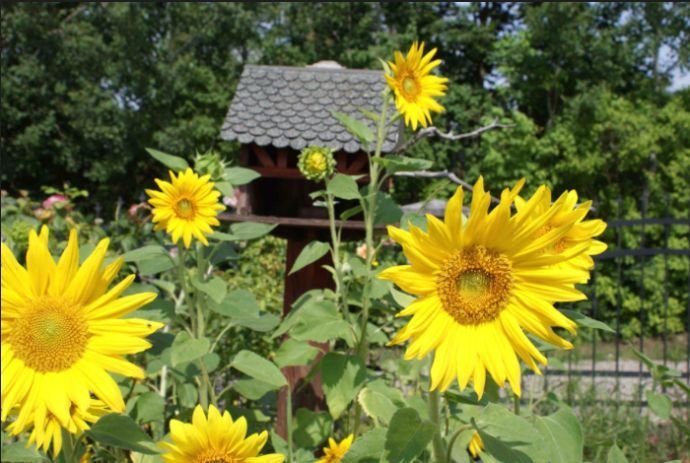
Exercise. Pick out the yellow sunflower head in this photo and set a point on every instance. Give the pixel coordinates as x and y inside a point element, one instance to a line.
<point>335,451</point>
<point>414,86</point>
<point>63,332</point>
<point>582,231</point>
<point>476,445</point>
<point>46,429</point>
<point>316,163</point>
<point>482,282</point>
<point>215,439</point>
<point>186,207</point>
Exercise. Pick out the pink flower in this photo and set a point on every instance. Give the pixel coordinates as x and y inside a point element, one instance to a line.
<point>52,200</point>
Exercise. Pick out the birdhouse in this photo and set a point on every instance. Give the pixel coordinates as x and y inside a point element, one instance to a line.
<point>275,113</point>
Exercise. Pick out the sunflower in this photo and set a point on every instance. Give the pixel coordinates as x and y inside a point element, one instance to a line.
<point>335,451</point>
<point>62,332</point>
<point>581,232</point>
<point>476,445</point>
<point>414,85</point>
<point>216,439</point>
<point>186,206</point>
<point>480,282</point>
<point>46,428</point>
<point>316,163</point>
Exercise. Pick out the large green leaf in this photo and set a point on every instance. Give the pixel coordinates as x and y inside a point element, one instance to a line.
<point>380,401</point>
<point>18,452</point>
<point>257,367</point>
<point>309,254</point>
<point>367,448</point>
<point>239,175</point>
<point>356,127</point>
<point>343,376</point>
<point>252,389</point>
<point>314,319</point>
<point>144,253</point>
<point>215,288</point>
<point>311,428</point>
<point>343,186</point>
<point>394,163</point>
<point>150,406</point>
<point>660,404</point>
<point>243,310</point>
<point>186,348</point>
<point>175,163</point>
<point>508,437</point>
<point>616,455</point>
<point>250,230</point>
<point>121,431</point>
<point>295,353</point>
<point>562,435</point>
<point>407,436</point>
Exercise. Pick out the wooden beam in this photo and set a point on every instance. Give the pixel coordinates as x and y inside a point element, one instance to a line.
<point>263,156</point>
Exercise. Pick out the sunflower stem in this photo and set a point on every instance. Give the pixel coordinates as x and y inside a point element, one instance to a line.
<point>340,289</point>
<point>516,404</point>
<point>438,445</point>
<point>289,423</point>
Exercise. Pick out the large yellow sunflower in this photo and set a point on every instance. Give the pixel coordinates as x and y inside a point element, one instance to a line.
<point>414,85</point>
<point>62,332</point>
<point>216,439</point>
<point>335,451</point>
<point>186,206</point>
<point>481,282</point>
<point>46,429</point>
<point>582,231</point>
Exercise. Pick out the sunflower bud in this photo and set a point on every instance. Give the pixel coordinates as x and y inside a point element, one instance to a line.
<point>316,163</point>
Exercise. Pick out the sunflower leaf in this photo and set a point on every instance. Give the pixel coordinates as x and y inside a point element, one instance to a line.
<point>175,163</point>
<point>257,367</point>
<point>356,127</point>
<point>121,431</point>
<point>310,254</point>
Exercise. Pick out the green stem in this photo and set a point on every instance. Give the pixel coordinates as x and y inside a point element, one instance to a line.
<point>434,415</point>
<point>451,442</point>
<point>289,423</point>
<point>340,290</point>
<point>516,404</point>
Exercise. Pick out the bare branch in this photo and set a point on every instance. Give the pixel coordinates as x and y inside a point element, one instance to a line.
<point>435,132</point>
<point>440,174</point>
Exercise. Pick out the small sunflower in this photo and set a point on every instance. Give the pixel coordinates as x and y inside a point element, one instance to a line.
<point>62,333</point>
<point>316,163</point>
<point>216,439</point>
<point>414,85</point>
<point>583,231</point>
<point>481,281</point>
<point>476,445</point>
<point>186,207</point>
<point>45,429</point>
<point>335,451</point>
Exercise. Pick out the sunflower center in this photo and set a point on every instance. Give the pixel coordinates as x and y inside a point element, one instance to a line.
<point>213,456</point>
<point>410,88</point>
<point>51,336</point>
<point>185,208</point>
<point>316,163</point>
<point>474,285</point>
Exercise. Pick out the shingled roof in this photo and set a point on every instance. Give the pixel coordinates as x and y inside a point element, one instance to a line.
<point>291,106</point>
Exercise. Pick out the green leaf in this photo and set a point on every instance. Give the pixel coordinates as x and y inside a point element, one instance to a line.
<point>240,175</point>
<point>121,431</point>
<point>187,395</point>
<point>563,437</point>
<point>343,186</point>
<point>660,404</point>
<point>367,448</point>
<point>144,253</point>
<point>18,452</point>
<point>156,265</point>
<point>259,368</point>
<point>243,310</point>
<point>215,288</point>
<point>394,163</point>
<point>311,428</point>
<point>380,401</point>
<point>295,353</point>
<point>186,349</point>
<point>342,376</point>
<point>616,455</point>
<point>508,437</point>
<point>314,319</point>
<point>309,254</point>
<point>407,436</point>
<point>252,389</point>
<point>401,298</point>
<point>357,128</point>
<point>387,210</point>
<point>584,320</point>
<point>225,188</point>
<point>150,406</point>
<point>175,163</point>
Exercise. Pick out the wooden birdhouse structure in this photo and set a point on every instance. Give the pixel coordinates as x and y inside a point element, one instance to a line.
<point>275,113</point>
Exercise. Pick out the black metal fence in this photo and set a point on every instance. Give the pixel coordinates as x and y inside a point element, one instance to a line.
<point>616,265</point>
